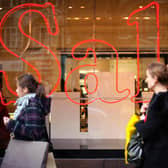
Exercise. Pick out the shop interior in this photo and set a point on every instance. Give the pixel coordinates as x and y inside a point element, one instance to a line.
<point>89,54</point>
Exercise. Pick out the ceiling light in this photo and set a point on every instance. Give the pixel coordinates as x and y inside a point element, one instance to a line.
<point>86,18</point>
<point>98,18</point>
<point>125,18</point>
<point>76,18</point>
<point>146,18</point>
<point>1,8</point>
<point>82,7</point>
<point>140,6</point>
<point>70,7</point>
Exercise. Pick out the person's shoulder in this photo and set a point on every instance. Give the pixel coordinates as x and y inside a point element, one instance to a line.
<point>34,101</point>
<point>41,102</point>
<point>162,100</point>
<point>162,96</point>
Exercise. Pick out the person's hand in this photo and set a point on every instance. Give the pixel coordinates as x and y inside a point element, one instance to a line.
<point>143,111</point>
<point>142,117</point>
<point>144,108</point>
<point>6,120</point>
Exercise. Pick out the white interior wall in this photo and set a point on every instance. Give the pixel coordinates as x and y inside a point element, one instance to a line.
<point>104,120</point>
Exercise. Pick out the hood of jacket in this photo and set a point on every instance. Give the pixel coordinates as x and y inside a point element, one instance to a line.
<point>42,102</point>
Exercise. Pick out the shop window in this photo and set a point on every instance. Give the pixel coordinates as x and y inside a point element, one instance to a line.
<point>10,37</point>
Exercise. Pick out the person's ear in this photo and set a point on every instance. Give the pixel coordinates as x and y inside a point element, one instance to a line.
<point>156,79</point>
<point>25,90</point>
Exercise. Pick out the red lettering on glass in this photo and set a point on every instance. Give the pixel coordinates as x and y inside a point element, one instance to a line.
<point>49,31</point>
<point>2,22</point>
<point>27,5</point>
<point>158,41</point>
<point>9,88</point>
<point>93,65</point>
<point>85,85</point>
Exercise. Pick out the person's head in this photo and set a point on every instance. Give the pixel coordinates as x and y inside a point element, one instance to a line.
<point>156,73</point>
<point>26,83</point>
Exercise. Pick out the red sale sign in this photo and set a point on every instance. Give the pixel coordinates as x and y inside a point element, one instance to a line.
<point>29,6</point>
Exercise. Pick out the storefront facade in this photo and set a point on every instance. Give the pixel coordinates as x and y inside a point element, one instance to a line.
<point>91,55</point>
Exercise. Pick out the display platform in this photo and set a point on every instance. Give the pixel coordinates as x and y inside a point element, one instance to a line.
<point>88,148</point>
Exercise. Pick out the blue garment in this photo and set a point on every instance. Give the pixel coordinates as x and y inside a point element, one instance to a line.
<point>22,102</point>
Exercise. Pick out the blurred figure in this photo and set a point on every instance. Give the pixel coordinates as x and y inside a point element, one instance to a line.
<point>4,134</point>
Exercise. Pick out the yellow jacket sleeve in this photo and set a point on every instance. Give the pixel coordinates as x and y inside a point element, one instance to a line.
<point>130,129</point>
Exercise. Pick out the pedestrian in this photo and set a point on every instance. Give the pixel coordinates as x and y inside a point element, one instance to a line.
<point>31,108</point>
<point>154,127</point>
